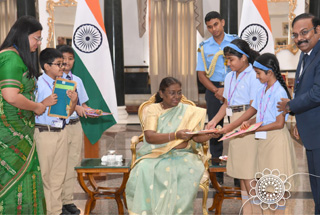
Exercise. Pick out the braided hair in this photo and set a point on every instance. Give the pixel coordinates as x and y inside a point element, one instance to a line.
<point>270,60</point>
<point>243,46</point>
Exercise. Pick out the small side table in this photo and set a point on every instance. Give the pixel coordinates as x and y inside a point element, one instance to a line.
<point>221,191</point>
<point>91,166</point>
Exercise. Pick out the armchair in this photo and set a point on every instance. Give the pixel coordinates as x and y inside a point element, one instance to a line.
<point>135,140</point>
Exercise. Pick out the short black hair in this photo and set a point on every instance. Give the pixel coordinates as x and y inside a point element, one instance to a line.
<point>48,55</point>
<point>315,20</point>
<point>66,49</point>
<point>212,15</point>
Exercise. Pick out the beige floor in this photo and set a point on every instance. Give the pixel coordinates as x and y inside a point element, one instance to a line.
<point>118,138</point>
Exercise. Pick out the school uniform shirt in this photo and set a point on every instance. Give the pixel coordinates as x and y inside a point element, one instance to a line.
<point>270,112</point>
<point>82,94</point>
<point>210,48</point>
<point>242,89</point>
<point>44,89</point>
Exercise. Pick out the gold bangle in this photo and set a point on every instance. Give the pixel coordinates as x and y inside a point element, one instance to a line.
<point>175,135</point>
<point>169,137</point>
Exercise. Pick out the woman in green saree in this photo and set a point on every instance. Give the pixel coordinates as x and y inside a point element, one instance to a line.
<point>21,189</point>
<point>167,173</point>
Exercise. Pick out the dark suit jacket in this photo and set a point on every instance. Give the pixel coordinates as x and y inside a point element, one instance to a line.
<point>306,102</point>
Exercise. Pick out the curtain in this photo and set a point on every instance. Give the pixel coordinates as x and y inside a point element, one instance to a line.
<point>8,15</point>
<point>173,43</point>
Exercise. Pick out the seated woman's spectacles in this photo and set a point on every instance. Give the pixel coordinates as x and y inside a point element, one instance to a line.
<point>301,33</point>
<point>173,93</point>
<point>58,64</point>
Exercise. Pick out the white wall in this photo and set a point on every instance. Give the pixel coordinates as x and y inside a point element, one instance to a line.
<point>136,49</point>
<point>64,23</point>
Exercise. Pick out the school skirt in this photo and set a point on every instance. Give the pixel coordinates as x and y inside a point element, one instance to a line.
<point>277,153</point>
<point>242,154</point>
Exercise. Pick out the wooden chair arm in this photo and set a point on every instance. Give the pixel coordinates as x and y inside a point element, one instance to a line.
<point>135,140</point>
<point>205,148</point>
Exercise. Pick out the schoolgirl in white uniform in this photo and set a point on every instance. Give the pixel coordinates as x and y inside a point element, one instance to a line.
<point>241,86</point>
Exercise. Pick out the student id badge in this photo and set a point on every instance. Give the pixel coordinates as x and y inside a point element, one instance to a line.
<point>229,111</point>
<point>58,123</point>
<point>261,135</point>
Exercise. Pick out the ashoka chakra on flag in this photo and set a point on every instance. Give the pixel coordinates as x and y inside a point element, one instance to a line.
<point>87,38</point>
<point>256,36</point>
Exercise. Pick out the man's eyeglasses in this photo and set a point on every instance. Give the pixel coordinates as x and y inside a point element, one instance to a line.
<point>301,33</point>
<point>58,64</point>
<point>39,39</point>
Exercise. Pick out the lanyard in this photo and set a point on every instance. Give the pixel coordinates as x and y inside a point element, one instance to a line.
<point>47,83</point>
<point>260,105</point>
<point>231,94</point>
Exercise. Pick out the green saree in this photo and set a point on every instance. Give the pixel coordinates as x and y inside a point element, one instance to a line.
<point>165,180</point>
<point>21,190</point>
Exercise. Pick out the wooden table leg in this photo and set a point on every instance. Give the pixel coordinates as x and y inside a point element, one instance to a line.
<point>125,200</point>
<point>90,200</point>
<point>98,193</point>
<point>218,197</point>
<point>120,193</point>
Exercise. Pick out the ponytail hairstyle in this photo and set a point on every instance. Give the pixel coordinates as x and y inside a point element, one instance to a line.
<point>18,37</point>
<point>243,47</point>
<point>270,60</point>
<point>165,83</point>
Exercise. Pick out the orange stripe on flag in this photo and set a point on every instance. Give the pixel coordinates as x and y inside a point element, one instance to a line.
<point>95,9</point>
<point>262,6</point>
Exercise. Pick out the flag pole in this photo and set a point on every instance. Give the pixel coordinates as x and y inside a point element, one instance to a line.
<point>90,150</point>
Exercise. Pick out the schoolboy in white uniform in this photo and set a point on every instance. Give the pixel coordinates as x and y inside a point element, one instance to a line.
<point>50,133</point>
<point>74,131</point>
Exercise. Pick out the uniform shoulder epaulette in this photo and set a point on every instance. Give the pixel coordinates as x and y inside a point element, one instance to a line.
<point>235,36</point>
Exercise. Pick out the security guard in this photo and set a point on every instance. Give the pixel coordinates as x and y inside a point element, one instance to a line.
<point>212,69</point>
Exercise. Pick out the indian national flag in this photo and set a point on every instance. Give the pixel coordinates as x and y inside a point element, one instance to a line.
<point>93,66</point>
<point>255,26</point>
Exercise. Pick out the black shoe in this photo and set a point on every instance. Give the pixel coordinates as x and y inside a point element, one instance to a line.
<point>65,212</point>
<point>71,208</point>
<point>236,182</point>
<point>220,180</point>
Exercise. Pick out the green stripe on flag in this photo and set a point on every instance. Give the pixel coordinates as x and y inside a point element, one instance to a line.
<point>92,127</point>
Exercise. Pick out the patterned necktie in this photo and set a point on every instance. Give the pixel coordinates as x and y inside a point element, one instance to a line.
<point>304,59</point>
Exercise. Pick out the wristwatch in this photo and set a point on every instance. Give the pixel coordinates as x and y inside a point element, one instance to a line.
<point>288,107</point>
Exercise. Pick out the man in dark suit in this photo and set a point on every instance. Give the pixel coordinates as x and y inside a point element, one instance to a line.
<point>306,102</point>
